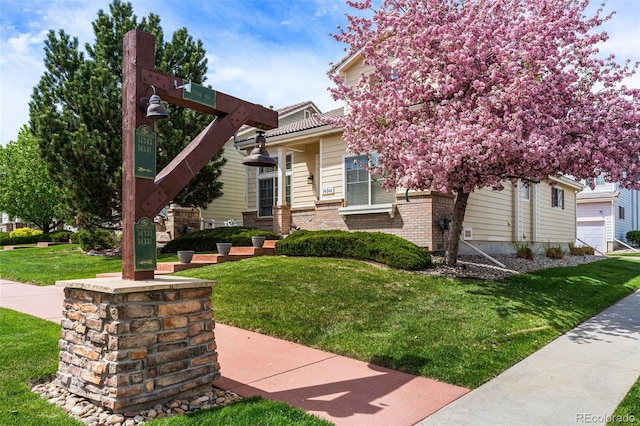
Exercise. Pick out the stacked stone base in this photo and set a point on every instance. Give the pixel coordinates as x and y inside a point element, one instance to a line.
<point>127,345</point>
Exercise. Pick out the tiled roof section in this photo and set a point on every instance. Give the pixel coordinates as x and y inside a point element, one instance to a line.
<point>590,195</point>
<point>284,111</point>
<point>317,120</point>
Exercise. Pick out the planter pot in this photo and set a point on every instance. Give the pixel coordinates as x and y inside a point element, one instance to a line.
<point>223,248</point>
<point>258,241</point>
<point>185,256</point>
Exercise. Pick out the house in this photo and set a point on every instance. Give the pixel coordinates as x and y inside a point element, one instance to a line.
<point>318,185</point>
<point>606,213</point>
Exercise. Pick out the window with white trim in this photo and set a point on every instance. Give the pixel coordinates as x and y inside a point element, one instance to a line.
<point>621,212</point>
<point>268,186</point>
<point>361,187</point>
<point>557,197</point>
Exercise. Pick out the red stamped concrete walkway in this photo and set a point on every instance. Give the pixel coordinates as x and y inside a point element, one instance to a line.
<point>339,389</point>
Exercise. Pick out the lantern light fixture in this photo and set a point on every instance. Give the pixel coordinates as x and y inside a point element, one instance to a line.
<point>259,156</point>
<point>153,105</point>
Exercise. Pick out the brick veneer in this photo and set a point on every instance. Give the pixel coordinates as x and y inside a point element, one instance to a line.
<point>416,219</point>
<point>131,344</point>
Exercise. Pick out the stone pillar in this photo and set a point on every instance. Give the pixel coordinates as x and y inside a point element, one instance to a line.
<point>128,345</point>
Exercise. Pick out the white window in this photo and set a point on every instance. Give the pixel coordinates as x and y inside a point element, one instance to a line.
<point>620,212</point>
<point>268,186</point>
<point>557,197</point>
<point>361,187</point>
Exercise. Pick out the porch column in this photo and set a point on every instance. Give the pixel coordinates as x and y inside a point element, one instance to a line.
<point>282,211</point>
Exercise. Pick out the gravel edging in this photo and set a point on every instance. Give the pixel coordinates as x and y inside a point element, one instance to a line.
<point>479,267</point>
<point>83,410</point>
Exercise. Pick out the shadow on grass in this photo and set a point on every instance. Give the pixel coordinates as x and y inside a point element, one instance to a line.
<point>565,297</point>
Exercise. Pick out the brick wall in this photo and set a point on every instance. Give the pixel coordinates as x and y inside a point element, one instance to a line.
<point>132,350</point>
<point>416,219</point>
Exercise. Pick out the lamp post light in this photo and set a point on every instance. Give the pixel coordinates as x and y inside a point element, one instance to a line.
<point>259,156</point>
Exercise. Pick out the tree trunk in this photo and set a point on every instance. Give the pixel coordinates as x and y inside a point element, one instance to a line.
<point>459,209</point>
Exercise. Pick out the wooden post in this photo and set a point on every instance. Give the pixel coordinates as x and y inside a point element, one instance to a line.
<point>143,193</point>
<point>138,54</point>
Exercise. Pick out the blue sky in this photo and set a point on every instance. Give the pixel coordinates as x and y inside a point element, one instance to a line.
<point>271,52</point>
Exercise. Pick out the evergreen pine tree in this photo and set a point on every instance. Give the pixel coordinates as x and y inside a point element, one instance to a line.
<point>76,115</point>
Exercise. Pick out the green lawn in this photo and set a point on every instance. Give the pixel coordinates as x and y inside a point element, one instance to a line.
<point>46,265</point>
<point>459,331</point>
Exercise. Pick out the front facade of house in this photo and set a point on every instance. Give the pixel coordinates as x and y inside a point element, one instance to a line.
<point>606,213</point>
<point>318,185</point>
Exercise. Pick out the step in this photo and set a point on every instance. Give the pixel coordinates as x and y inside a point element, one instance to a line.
<point>206,259</point>
<point>51,243</point>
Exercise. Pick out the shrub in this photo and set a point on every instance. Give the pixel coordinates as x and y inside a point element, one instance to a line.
<point>205,240</point>
<point>523,251</point>
<point>60,236</point>
<point>633,236</point>
<point>24,232</point>
<point>377,246</point>
<point>95,239</point>
<point>554,252</point>
<point>20,240</point>
<point>575,250</point>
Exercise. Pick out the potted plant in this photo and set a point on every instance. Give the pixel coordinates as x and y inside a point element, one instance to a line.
<point>185,256</point>
<point>223,248</point>
<point>258,240</point>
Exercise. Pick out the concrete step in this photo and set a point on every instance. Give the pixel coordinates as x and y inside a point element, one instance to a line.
<point>205,259</point>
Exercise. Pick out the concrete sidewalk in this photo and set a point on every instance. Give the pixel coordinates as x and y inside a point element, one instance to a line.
<point>342,390</point>
<point>579,378</point>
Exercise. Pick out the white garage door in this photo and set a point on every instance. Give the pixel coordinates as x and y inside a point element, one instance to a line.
<point>592,233</point>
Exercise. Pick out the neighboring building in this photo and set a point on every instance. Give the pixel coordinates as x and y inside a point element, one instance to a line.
<point>606,213</point>
<point>8,224</point>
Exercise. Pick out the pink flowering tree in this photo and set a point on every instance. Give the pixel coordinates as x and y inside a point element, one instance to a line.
<point>470,94</point>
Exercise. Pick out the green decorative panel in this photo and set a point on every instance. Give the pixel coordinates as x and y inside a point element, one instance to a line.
<point>144,245</point>
<point>144,153</point>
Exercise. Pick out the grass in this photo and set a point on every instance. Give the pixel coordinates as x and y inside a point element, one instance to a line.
<point>634,254</point>
<point>46,265</point>
<point>462,332</point>
<point>629,408</point>
<point>29,352</point>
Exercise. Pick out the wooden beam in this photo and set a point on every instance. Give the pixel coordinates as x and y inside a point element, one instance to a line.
<point>177,174</point>
<point>165,84</point>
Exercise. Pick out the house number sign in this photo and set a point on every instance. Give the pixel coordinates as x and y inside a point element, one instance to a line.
<point>144,158</point>
<point>144,245</point>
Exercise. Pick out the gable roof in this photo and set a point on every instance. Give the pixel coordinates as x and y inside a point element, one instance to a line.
<point>282,113</point>
<point>315,121</point>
